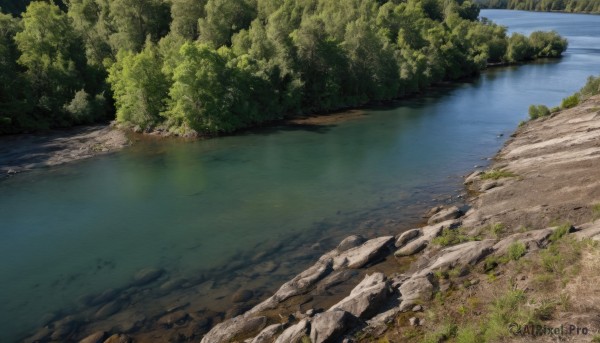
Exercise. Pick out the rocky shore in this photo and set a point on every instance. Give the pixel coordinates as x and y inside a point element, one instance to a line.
<point>542,186</point>
<point>24,152</point>
<point>546,174</point>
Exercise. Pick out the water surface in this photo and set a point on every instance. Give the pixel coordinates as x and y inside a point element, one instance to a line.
<point>201,209</point>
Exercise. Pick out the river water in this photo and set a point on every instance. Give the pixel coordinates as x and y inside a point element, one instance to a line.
<point>205,211</point>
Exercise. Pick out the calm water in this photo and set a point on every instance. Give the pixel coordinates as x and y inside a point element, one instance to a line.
<point>202,207</point>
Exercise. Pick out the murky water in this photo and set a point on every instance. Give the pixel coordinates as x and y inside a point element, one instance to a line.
<point>204,211</point>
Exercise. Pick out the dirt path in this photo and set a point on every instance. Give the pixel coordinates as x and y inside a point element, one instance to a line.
<point>25,152</point>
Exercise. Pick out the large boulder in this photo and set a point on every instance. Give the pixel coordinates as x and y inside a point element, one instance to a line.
<point>235,327</point>
<point>468,253</point>
<point>327,327</point>
<point>350,242</point>
<point>407,236</point>
<point>367,297</point>
<point>444,215</point>
<point>415,290</point>
<point>294,333</point>
<point>358,257</point>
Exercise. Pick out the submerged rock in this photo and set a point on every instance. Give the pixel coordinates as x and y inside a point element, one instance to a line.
<point>146,276</point>
<point>242,295</point>
<point>118,338</point>
<point>97,337</point>
<point>108,310</point>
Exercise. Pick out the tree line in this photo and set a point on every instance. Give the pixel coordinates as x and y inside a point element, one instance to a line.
<point>214,66</point>
<point>573,6</point>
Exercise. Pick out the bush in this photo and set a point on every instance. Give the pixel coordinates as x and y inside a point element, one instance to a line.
<point>570,101</point>
<point>591,88</point>
<point>496,174</point>
<point>538,111</point>
<point>80,108</point>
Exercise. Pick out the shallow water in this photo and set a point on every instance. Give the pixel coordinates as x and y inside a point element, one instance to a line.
<point>203,210</point>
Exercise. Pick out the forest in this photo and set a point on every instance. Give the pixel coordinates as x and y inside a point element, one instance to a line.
<point>215,66</point>
<point>573,6</point>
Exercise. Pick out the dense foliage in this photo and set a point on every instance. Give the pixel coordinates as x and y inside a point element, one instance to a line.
<point>575,6</point>
<point>213,66</point>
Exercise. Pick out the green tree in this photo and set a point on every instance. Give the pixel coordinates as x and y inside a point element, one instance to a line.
<point>223,19</point>
<point>139,86</point>
<point>185,15</point>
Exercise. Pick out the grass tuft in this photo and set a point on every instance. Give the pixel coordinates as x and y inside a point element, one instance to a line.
<point>496,174</point>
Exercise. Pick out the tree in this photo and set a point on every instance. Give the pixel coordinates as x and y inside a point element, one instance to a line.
<point>52,54</point>
<point>139,86</point>
<point>223,19</point>
<point>184,17</point>
<point>519,48</point>
<point>135,20</point>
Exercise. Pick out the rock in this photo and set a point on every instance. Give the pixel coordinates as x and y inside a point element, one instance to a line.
<point>420,243</point>
<point>407,236</point>
<point>170,319</point>
<point>97,337</point>
<point>444,215</point>
<point>294,333</point>
<point>532,240</point>
<point>310,312</point>
<point>300,284</point>
<point>267,335</point>
<point>118,338</point>
<point>413,321</point>
<point>433,211</point>
<point>146,276</point>
<point>588,231</point>
<point>61,331</point>
<point>172,285</point>
<point>366,298</point>
<point>414,290</point>
<point>350,242</point>
<point>328,326</point>
<point>473,177</point>
<point>488,185</point>
<point>358,257</point>
<point>242,295</point>
<point>266,267</point>
<point>104,297</point>
<point>41,335</point>
<point>335,279</point>
<point>468,253</point>
<point>108,310</point>
<point>235,327</point>
<point>384,318</point>
<point>417,308</point>
<point>236,309</point>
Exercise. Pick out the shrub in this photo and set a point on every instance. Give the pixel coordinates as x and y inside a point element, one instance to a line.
<point>452,237</point>
<point>560,232</point>
<point>516,250</point>
<point>570,101</point>
<point>538,111</point>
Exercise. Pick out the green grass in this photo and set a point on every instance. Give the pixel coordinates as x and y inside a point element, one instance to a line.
<point>496,174</point>
<point>516,250</point>
<point>497,229</point>
<point>560,232</point>
<point>596,212</point>
<point>452,237</point>
<point>570,101</point>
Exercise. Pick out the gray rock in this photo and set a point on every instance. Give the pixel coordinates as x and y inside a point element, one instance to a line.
<point>335,279</point>
<point>106,296</point>
<point>468,253</point>
<point>300,284</point>
<point>97,337</point>
<point>146,276</point>
<point>384,318</point>
<point>242,295</point>
<point>327,327</point>
<point>488,185</point>
<point>234,327</point>
<point>413,321</point>
<point>350,242</point>
<point>294,333</point>
<point>360,256</point>
<point>407,236</point>
<point>118,338</point>
<point>473,177</point>
<point>108,310</point>
<point>444,215</point>
<point>366,298</point>
<point>417,308</point>
<point>588,231</point>
<point>414,290</point>
<point>267,335</point>
<point>532,240</point>
<point>427,234</point>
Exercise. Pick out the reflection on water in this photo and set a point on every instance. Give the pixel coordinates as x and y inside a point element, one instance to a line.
<point>252,209</point>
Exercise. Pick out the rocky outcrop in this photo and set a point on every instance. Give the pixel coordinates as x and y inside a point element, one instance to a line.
<point>415,290</point>
<point>328,327</point>
<point>235,327</point>
<point>294,333</point>
<point>366,298</point>
<point>445,215</point>
<point>359,256</point>
<point>423,237</point>
<point>268,334</point>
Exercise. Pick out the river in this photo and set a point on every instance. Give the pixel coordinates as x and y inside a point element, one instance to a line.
<point>250,210</point>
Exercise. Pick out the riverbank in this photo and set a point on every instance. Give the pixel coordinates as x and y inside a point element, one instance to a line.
<point>19,153</point>
<point>540,188</point>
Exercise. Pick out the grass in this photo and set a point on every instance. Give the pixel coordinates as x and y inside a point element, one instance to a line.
<point>496,174</point>
<point>452,237</point>
<point>497,229</point>
<point>596,212</point>
<point>516,250</point>
<point>560,232</point>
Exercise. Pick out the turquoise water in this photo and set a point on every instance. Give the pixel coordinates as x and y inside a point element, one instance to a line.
<point>201,208</point>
